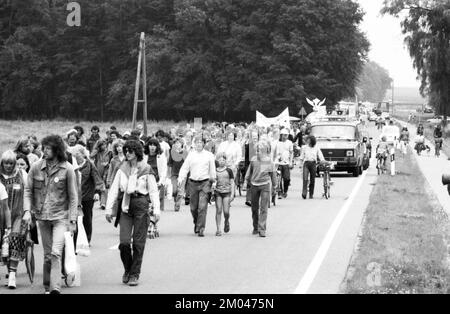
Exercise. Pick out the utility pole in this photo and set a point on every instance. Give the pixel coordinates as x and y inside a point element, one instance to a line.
<point>141,77</point>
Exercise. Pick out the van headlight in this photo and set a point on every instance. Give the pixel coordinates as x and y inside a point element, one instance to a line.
<point>349,153</point>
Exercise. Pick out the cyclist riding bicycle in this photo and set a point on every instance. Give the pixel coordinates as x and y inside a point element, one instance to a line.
<point>382,151</point>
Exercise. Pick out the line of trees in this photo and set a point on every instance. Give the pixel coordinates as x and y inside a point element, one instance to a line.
<point>427,35</point>
<point>374,81</point>
<point>221,59</point>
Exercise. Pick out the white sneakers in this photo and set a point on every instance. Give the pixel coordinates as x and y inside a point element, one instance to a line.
<point>12,280</point>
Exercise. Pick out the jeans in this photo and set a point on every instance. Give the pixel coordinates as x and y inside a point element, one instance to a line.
<point>175,192</point>
<point>199,202</point>
<point>260,204</point>
<point>286,177</point>
<point>162,192</point>
<point>309,169</point>
<point>87,218</point>
<point>52,235</point>
<point>134,225</point>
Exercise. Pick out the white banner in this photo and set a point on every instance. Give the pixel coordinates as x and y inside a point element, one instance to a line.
<point>281,120</point>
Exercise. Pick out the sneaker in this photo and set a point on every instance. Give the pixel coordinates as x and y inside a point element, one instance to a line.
<point>126,278</point>
<point>255,232</point>
<point>134,281</point>
<point>55,292</point>
<point>6,280</point>
<point>226,229</point>
<point>12,281</point>
<point>218,233</point>
<point>262,234</point>
<point>46,292</point>
<point>201,234</point>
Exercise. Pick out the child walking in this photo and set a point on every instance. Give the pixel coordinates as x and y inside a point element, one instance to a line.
<point>224,193</point>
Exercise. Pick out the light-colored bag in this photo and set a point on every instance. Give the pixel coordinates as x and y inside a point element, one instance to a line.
<point>70,259</point>
<point>82,241</point>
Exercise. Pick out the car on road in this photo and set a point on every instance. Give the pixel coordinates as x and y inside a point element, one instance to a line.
<point>436,119</point>
<point>341,143</point>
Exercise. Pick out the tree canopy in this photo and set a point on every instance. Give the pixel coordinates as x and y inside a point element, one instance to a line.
<point>221,59</point>
<point>427,34</point>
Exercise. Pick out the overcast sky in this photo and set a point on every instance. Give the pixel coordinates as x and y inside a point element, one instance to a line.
<point>387,44</point>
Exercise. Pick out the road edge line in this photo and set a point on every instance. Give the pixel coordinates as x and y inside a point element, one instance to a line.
<point>313,268</point>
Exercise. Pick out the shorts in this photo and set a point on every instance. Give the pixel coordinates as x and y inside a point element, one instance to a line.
<point>223,195</point>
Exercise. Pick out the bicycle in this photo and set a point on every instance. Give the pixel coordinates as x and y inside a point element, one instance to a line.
<point>325,168</point>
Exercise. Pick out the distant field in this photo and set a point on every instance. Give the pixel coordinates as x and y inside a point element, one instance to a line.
<point>12,131</point>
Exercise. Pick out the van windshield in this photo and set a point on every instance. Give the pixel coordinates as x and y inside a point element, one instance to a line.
<point>345,132</point>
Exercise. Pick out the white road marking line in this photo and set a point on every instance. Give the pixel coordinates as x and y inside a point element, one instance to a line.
<point>314,266</point>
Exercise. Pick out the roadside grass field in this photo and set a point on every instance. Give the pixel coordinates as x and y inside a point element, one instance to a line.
<point>402,246</point>
<point>428,129</point>
<point>12,131</point>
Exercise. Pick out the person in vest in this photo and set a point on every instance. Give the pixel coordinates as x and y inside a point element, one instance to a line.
<point>133,188</point>
<point>13,179</point>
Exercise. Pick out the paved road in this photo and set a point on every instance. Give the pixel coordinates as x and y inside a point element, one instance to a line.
<point>180,262</point>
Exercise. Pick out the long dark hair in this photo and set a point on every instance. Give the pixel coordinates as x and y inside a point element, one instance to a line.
<point>154,142</point>
<point>57,145</point>
<point>25,158</point>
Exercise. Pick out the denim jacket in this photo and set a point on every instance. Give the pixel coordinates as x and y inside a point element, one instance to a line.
<point>53,196</point>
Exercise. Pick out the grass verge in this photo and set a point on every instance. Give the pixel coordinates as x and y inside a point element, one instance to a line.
<point>403,241</point>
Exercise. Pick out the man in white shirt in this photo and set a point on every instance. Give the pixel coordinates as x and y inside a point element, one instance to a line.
<point>285,160</point>
<point>200,164</point>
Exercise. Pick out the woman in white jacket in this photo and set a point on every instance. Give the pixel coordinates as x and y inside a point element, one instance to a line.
<point>133,187</point>
<point>156,158</point>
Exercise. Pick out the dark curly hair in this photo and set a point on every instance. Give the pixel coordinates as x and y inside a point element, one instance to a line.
<point>154,142</point>
<point>136,147</point>
<point>79,128</point>
<point>57,145</point>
